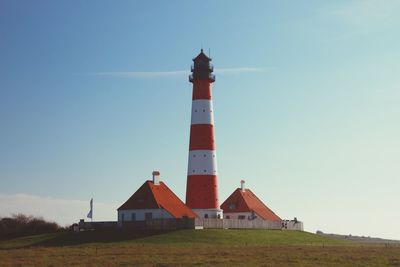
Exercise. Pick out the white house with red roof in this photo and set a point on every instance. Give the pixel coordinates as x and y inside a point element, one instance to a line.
<point>153,200</point>
<point>244,204</point>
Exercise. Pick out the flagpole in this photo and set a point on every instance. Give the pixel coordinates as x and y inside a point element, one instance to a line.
<point>90,214</point>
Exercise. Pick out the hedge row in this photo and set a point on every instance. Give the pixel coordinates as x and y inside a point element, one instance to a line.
<point>22,225</point>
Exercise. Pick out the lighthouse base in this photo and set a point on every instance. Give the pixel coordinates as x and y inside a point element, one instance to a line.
<point>209,213</point>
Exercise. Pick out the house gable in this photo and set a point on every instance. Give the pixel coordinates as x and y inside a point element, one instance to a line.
<point>143,198</point>
<point>157,196</point>
<point>247,201</point>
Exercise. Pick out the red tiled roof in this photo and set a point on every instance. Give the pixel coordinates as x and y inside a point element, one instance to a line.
<point>151,196</point>
<point>247,201</point>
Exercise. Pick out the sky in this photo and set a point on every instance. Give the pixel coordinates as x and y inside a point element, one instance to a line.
<point>94,96</point>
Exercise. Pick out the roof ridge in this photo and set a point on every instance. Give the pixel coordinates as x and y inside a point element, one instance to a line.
<point>176,202</point>
<point>244,199</point>
<point>144,186</point>
<point>265,206</point>
<point>262,202</point>
<point>152,186</point>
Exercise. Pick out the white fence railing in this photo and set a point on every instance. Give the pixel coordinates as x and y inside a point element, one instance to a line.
<point>247,224</point>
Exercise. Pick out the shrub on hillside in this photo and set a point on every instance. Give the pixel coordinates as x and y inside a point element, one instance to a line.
<point>21,225</point>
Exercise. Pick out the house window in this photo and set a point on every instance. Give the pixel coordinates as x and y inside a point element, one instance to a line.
<point>148,215</point>
<point>241,217</point>
<point>227,217</point>
<point>133,217</point>
<point>122,217</point>
<point>206,216</point>
<point>232,206</point>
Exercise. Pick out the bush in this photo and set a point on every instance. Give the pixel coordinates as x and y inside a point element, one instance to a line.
<point>21,225</point>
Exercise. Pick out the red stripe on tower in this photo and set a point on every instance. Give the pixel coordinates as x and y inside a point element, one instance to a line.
<point>202,190</point>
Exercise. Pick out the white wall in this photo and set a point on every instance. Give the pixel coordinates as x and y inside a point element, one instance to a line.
<point>292,225</point>
<point>235,215</point>
<point>212,213</point>
<point>140,214</point>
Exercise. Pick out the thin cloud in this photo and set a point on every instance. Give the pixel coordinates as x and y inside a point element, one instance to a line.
<point>359,18</point>
<point>364,14</point>
<point>161,74</point>
<point>143,74</point>
<point>239,70</point>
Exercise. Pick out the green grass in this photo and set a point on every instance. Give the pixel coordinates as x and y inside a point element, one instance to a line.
<point>193,247</point>
<point>177,238</point>
<point>238,238</point>
<point>26,241</point>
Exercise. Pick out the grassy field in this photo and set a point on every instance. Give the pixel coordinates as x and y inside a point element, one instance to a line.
<point>193,247</point>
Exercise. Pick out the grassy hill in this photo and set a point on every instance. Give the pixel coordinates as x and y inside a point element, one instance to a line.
<point>177,238</point>
<point>193,247</point>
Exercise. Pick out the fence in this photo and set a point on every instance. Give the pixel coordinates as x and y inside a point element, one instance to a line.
<point>97,225</point>
<point>185,223</point>
<point>158,224</point>
<point>247,224</point>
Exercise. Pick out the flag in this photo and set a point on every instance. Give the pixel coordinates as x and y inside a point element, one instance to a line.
<point>90,214</point>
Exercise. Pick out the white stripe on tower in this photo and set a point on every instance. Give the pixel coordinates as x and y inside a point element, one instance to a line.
<point>202,112</point>
<point>202,162</point>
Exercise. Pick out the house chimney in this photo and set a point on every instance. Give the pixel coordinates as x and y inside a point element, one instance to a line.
<point>242,185</point>
<point>156,177</point>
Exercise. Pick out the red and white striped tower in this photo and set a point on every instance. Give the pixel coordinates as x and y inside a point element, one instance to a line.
<point>202,190</point>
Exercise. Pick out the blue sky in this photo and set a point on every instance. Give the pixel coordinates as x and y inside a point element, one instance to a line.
<point>94,96</point>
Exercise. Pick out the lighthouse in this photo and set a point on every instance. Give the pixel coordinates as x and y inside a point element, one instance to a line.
<point>202,185</point>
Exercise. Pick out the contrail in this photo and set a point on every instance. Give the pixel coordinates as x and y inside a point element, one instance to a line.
<point>158,74</point>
